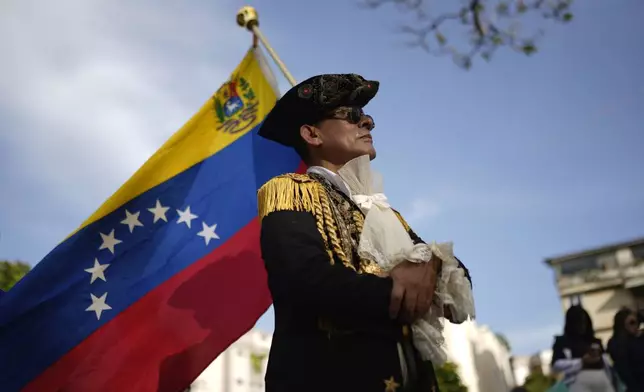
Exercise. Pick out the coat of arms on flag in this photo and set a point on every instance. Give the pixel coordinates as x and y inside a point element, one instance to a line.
<point>236,106</point>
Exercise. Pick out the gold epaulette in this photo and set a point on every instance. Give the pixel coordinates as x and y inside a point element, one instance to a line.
<point>288,192</point>
<point>300,192</point>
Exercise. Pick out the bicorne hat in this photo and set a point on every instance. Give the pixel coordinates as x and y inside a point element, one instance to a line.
<point>313,99</point>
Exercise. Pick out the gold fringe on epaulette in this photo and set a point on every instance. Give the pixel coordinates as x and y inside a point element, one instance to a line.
<point>298,192</point>
<point>289,192</point>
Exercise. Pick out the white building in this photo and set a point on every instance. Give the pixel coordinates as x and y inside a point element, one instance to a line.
<point>602,280</point>
<point>484,363</point>
<point>241,368</point>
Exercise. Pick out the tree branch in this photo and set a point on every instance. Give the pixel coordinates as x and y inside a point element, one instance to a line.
<point>489,25</point>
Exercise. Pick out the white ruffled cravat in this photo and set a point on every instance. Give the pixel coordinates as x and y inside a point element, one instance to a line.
<point>385,241</point>
<point>368,201</point>
<point>383,238</point>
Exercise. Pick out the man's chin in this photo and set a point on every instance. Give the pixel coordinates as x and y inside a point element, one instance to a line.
<point>372,154</point>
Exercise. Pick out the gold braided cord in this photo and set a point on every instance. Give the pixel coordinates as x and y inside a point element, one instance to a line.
<point>333,231</point>
<point>358,220</point>
<point>318,213</point>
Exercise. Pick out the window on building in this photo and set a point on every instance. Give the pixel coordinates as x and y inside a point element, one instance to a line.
<point>638,252</point>
<point>607,261</point>
<point>582,264</point>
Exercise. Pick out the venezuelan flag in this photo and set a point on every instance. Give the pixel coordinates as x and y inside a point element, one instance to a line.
<point>167,273</point>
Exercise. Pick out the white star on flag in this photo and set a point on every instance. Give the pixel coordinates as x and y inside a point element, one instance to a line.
<point>159,212</point>
<point>97,271</point>
<point>132,220</point>
<point>208,232</point>
<point>109,241</point>
<point>186,216</point>
<point>98,305</point>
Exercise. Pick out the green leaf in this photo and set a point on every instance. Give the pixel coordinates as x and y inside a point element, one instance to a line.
<point>449,379</point>
<point>521,7</point>
<point>567,17</point>
<point>441,38</point>
<point>11,272</point>
<point>250,94</point>
<point>219,110</point>
<point>256,361</point>
<point>529,49</point>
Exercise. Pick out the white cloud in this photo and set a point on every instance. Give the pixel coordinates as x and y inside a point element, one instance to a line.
<point>98,84</point>
<point>420,210</point>
<point>89,90</point>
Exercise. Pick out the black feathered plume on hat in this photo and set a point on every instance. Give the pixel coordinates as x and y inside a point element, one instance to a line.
<point>309,101</point>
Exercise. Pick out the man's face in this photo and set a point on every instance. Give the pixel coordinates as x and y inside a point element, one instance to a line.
<point>344,135</point>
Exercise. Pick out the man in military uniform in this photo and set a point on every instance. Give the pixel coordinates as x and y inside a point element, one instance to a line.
<point>341,324</point>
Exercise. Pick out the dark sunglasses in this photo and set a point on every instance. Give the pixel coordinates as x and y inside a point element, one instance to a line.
<point>351,115</point>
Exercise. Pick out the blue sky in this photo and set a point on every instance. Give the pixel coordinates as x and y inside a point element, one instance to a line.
<point>515,160</point>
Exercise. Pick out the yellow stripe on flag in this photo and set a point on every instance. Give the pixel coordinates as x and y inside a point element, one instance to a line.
<point>214,127</point>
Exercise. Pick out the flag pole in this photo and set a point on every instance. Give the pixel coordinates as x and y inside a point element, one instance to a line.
<point>247,18</point>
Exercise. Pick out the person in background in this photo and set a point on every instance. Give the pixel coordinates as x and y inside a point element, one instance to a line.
<point>579,355</point>
<point>537,381</point>
<point>626,348</point>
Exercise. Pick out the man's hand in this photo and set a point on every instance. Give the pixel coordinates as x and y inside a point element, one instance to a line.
<point>413,290</point>
<point>591,357</point>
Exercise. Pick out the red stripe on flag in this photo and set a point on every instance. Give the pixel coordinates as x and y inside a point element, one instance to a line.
<point>166,339</point>
<point>301,168</point>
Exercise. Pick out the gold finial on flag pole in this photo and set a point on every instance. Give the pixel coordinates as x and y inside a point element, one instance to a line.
<point>247,18</point>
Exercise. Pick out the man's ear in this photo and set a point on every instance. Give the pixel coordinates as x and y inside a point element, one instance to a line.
<point>311,135</point>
